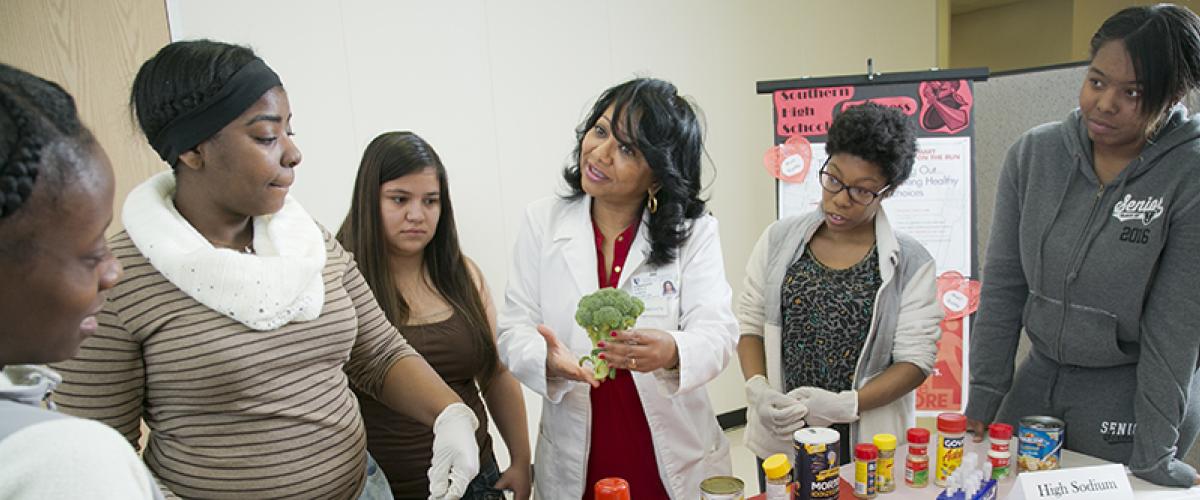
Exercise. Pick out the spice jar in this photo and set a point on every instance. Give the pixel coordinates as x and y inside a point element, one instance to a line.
<point>1000,454</point>
<point>777,471</point>
<point>865,457</point>
<point>916,466</point>
<point>884,479</point>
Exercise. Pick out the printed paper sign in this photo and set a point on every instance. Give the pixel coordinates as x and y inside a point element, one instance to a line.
<point>808,112</point>
<point>1107,482</point>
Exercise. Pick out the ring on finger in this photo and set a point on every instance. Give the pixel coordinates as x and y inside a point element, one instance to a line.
<point>633,363</point>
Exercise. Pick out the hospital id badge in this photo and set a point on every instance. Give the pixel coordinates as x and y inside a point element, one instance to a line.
<point>655,289</point>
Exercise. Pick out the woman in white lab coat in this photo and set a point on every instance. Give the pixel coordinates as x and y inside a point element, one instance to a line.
<point>633,220</point>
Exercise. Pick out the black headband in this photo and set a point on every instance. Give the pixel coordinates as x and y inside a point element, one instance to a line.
<point>196,125</point>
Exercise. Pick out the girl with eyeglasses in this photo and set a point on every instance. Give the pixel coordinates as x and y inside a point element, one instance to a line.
<point>838,314</point>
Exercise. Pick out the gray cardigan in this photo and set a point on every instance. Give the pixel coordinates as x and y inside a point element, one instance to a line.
<point>904,323</point>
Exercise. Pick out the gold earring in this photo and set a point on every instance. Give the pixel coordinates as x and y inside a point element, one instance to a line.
<point>652,202</point>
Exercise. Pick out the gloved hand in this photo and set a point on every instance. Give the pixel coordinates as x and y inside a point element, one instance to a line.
<point>825,407</point>
<point>455,453</point>
<point>778,414</point>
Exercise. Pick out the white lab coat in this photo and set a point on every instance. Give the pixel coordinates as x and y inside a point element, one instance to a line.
<point>554,264</point>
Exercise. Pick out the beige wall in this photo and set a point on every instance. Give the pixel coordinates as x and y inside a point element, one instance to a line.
<point>1090,14</point>
<point>498,95</point>
<point>1018,35</point>
<point>93,49</point>
<point>835,37</point>
<point>943,33</point>
<point>1032,33</point>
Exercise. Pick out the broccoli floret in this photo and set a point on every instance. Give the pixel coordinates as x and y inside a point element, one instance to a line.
<point>601,312</point>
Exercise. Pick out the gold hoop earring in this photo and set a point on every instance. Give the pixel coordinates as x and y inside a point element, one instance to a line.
<point>652,202</point>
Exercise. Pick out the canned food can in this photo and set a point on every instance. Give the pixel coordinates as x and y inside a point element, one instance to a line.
<point>816,472</point>
<point>1040,445</point>
<point>722,488</point>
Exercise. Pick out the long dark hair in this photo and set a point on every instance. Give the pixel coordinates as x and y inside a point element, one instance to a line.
<point>650,115</point>
<point>1163,41</point>
<point>392,155</point>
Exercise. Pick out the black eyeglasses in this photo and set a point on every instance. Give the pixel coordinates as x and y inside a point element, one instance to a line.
<point>862,196</point>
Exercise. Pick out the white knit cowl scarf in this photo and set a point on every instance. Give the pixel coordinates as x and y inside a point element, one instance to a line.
<point>279,283</point>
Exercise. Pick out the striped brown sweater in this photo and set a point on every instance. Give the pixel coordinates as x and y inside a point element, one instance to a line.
<point>234,412</point>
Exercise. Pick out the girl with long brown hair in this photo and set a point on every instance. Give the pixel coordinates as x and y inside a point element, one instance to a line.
<point>401,230</point>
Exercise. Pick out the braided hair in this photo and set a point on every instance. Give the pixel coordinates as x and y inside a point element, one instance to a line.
<point>38,122</point>
<point>180,77</point>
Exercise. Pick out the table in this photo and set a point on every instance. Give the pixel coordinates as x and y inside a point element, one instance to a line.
<point>1142,490</point>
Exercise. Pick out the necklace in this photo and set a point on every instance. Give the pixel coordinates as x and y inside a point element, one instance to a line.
<point>248,249</point>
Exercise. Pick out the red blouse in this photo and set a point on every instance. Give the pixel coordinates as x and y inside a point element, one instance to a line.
<point>621,442</point>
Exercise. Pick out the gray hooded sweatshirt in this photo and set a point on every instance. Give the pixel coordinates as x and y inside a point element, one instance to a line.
<point>1099,276</point>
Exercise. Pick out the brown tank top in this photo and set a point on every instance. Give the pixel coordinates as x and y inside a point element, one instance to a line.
<point>402,446</point>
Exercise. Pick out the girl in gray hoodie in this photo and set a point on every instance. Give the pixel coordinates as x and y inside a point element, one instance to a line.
<point>1093,253</point>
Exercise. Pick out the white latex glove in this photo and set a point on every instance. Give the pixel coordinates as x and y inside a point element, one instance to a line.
<point>455,453</point>
<point>825,407</point>
<point>778,414</point>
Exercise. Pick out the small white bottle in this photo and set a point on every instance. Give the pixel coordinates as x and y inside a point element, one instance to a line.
<point>779,480</point>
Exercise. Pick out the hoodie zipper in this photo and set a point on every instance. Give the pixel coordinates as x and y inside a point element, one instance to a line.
<point>1073,267</point>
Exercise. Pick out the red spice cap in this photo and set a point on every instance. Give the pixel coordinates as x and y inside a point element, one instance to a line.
<point>951,422</point>
<point>1000,431</point>
<point>866,451</point>
<point>918,435</point>
<point>612,488</point>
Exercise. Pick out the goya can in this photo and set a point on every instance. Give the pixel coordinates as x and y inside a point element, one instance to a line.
<point>816,472</point>
<point>1040,441</point>
<point>722,488</point>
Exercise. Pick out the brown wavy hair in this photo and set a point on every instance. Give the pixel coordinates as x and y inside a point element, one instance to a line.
<point>392,155</point>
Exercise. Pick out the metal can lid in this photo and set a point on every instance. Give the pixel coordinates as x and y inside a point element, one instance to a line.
<point>722,485</point>
<point>1042,422</point>
<point>816,435</point>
